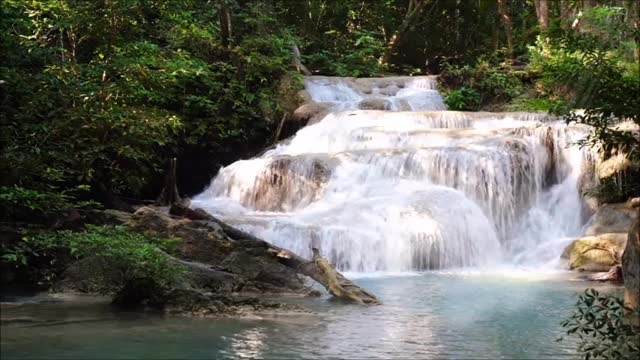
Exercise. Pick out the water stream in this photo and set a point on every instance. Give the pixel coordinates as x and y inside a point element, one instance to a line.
<point>484,201</point>
<point>410,187</point>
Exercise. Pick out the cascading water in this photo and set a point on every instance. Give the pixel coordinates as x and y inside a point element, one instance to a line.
<point>411,186</point>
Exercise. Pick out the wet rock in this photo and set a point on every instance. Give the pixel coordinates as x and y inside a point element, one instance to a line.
<point>197,303</point>
<point>289,182</point>
<point>266,275</point>
<point>613,275</point>
<point>595,253</point>
<point>310,112</point>
<point>611,218</point>
<point>374,104</point>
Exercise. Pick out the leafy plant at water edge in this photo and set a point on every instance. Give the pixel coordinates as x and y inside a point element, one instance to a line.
<point>599,322</point>
<point>463,99</point>
<point>114,257</point>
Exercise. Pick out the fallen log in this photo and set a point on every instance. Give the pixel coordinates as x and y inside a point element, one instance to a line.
<point>318,268</point>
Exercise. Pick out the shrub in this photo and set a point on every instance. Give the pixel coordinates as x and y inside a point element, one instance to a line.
<point>124,257</point>
<point>598,321</point>
<point>491,80</point>
<point>463,99</point>
<point>21,204</point>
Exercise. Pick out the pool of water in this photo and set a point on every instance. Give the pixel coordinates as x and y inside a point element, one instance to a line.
<point>429,315</point>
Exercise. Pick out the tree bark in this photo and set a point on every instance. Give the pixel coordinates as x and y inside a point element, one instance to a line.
<point>317,268</point>
<point>631,268</point>
<point>224,17</point>
<point>414,12</point>
<point>565,13</point>
<point>506,22</point>
<point>632,17</point>
<point>297,61</point>
<point>542,12</point>
<point>170,195</point>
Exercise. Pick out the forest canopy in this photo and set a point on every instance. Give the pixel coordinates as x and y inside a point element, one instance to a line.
<point>96,96</point>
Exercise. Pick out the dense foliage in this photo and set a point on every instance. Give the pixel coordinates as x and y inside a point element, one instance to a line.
<point>599,323</point>
<point>101,94</point>
<point>598,72</point>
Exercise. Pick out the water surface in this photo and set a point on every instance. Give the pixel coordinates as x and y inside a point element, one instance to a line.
<point>428,315</point>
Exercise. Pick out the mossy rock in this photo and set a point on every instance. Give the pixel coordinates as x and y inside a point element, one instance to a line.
<point>596,253</point>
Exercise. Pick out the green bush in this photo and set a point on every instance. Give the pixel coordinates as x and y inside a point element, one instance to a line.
<point>491,80</point>
<point>599,322</point>
<point>463,99</point>
<point>125,257</point>
<point>20,204</point>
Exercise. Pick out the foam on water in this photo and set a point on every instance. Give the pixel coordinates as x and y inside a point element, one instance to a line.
<point>399,191</point>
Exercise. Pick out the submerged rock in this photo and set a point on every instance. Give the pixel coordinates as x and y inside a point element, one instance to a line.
<point>197,303</point>
<point>374,104</point>
<point>595,253</point>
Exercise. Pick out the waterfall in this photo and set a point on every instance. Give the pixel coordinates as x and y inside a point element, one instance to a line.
<point>390,181</point>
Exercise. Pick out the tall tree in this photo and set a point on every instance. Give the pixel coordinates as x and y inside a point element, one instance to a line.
<point>542,12</point>
<point>506,22</point>
<point>415,11</point>
<point>224,17</point>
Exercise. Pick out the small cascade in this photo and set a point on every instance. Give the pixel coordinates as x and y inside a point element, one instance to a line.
<point>407,186</point>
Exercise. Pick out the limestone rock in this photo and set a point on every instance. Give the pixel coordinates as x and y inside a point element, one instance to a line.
<point>204,243</point>
<point>611,218</point>
<point>374,104</point>
<point>310,112</point>
<point>201,241</point>
<point>595,253</point>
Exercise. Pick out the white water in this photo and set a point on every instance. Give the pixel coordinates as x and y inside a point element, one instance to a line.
<point>412,187</point>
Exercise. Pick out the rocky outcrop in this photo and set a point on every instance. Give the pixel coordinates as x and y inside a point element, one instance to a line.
<point>309,113</point>
<point>611,218</point>
<point>595,253</point>
<point>205,243</point>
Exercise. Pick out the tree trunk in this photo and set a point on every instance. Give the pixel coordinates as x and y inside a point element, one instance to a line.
<point>317,268</point>
<point>224,17</point>
<point>169,195</point>
<point>506,21</point>
<point>297,61</point>
<point>631,268</point>
<point>632,17</point>
<point>565,13</point>
<point>414,13</point>
<point>542,12</point>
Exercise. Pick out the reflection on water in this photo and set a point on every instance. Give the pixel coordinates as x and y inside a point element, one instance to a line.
<point>433,315</point>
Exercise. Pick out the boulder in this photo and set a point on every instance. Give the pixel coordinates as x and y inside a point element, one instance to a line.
<point>214,260</point>
<point>595,253</point>
<point>310,112</point>
<point>611,218</point>
<point>201,241</point>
